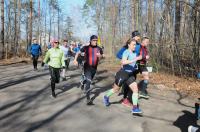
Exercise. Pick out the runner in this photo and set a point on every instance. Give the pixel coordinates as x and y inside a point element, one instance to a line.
<point>65,48</point>
<point>127,97</point>
<point>92,55</point>
<point>55,59</point>
<point>125,75</point>
<point>35,51</point>
<point>143,68</point>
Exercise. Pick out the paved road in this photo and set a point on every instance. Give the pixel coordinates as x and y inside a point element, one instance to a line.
<point>26,105</point>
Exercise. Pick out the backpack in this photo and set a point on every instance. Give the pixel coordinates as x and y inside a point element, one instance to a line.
<point>120,53</point>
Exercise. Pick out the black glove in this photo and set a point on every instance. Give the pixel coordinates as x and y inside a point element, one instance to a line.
<point>63,67</point>
<point>42,64</point>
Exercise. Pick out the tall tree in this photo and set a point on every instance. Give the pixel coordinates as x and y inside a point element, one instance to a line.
<point>30,22</point>
<point>2,30</point>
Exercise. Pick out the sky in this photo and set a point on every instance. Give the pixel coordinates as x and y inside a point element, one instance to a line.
<point>72,8</point>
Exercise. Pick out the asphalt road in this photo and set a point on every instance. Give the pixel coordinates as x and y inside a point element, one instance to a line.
<point>26,105</point>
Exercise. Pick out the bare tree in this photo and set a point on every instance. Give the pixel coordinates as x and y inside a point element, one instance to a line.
<point>30,22</point>
<point>2,30</point>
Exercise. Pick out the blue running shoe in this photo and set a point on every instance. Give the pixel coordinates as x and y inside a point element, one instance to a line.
<point>136,110</point>
<point>106,100</point>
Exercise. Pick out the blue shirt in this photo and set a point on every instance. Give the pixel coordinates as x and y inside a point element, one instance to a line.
<point>77,49</point>
<point>35,49</point>
<point>129,55</point>
<point>137,48</point>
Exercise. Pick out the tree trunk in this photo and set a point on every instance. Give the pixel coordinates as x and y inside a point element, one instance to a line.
<point>177,36</point>
<point>50,24</point>
<point>18,27</point>
<point>15,28</point>
<point>30,23</point>
<point>2,31</point>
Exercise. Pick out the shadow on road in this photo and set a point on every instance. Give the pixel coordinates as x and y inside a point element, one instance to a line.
<point>185,120</point>
<point>67,87</point>
<point>18,81</point>
<point>24,103</point>
<point>37,125</point>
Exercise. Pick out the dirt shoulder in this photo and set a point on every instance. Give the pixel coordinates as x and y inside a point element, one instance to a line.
<point>186,86</point>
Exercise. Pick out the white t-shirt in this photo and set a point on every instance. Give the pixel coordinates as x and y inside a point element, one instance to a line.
<point>65,50</point>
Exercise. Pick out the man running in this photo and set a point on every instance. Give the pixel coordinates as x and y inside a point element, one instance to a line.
<point>35,51</point>
<point>55,59</point>
<point>143,68</point>
<point>92,54</point>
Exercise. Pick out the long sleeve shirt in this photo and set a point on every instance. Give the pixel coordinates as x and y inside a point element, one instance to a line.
<point>55,58</point>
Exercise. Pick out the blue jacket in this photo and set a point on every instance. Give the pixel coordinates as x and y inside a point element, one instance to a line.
<point>35,49</point>
<point>137,49</point>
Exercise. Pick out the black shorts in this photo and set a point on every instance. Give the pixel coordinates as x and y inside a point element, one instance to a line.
<point>124,77</point>
<point>142,68</point>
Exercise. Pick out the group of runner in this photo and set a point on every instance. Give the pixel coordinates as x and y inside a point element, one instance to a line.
<point>133,57</point>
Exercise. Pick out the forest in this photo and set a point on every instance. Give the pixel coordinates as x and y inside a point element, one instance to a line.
<point>173,27</point>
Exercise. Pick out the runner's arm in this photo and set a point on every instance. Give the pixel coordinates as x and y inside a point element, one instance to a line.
<point>47,56</point>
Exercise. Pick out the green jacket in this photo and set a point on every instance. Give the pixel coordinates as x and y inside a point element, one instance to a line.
<point>55,58</point>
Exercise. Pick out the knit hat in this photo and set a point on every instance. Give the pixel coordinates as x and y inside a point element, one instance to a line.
<point>93,37</point>
<point>135,33</point>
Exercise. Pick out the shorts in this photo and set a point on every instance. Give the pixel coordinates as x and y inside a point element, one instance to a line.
<point>142,68</point>
<point>124,77</point>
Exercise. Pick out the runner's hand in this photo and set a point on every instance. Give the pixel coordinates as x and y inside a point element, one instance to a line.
<point>75,62</point>
<point>147,57</point>
<point>98,55</point>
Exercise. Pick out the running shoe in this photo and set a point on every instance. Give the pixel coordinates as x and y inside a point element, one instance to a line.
<point>192,129</point>
<point>126,103</point>
<point>136,110</point>
<point>106,100</point>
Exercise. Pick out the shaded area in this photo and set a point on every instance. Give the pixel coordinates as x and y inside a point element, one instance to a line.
<point>182,97</point>
<point>66,87</point>
<point>185,120</point>
<point>13,63</point>
<point>8,84</point>
<point>26,101</point>
<point>37,125</point>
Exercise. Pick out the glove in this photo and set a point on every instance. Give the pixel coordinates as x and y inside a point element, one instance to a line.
<point>42,64</point>
<point>63,67</point>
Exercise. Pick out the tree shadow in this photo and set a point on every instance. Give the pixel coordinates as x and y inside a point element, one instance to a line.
<point>185,120</point>
<point>98,90</point>
<point>13,63</point>
<point>15,74</point>
<point>18,81</point>
<point>25,103</point>
<point>102,71</point>
<point>66,87</point>
<point>37,125</point>
<point>182,97</point>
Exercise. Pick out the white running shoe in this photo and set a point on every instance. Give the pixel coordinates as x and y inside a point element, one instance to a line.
<point>192,129</point>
